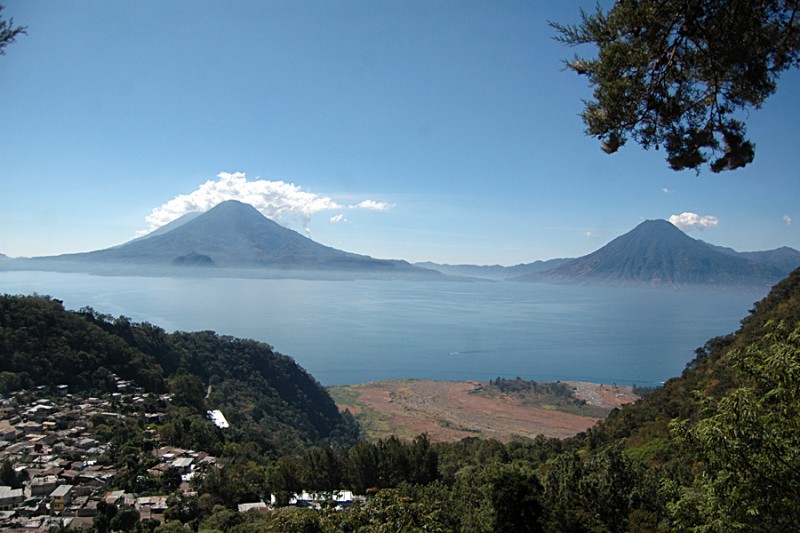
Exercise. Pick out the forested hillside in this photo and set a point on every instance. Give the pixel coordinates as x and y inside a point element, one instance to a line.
<point>266,396</point>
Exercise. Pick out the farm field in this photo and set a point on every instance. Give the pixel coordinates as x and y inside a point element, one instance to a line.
<point>450,410</point>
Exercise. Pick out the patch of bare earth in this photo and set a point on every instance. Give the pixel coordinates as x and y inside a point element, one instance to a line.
<point>605,396</point>
<point>450,411</point>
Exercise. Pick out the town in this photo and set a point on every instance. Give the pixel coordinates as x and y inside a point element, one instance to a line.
<point>55,472</point>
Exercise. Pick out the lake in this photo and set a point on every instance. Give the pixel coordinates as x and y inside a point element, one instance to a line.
<point>347,332</point>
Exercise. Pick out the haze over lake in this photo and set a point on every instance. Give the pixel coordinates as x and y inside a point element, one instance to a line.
<point>346,332</point>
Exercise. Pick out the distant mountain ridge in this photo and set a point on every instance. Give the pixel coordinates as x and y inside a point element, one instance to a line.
<point>493,272</point>
<point>784,257</point>
<point>657,253</point>
<point>235,235</point>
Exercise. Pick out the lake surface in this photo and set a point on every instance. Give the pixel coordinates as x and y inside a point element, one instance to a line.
<point>346,332</point>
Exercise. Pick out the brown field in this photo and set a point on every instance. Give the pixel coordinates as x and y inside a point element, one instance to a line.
<point>449,411</point>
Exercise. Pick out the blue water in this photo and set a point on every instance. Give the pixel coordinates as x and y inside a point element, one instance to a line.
<point>346,332</point>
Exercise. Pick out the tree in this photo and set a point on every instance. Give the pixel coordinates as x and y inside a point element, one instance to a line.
<point>125,519</point>
<point>674,73</point>
<point>171,479</point>
<point>393,462</point>
<point>188,390</point>
<point>284,478</point>
<point>410,508</point>
<point>749,477</point>
<point>324,470</point>
<point>172,526</point>
<point>8,476</point>
<point>9,32</point>
<point>221,519</point>
<point>105,514</point>
<point>363,465</point>
<point>423,460</point>
<point>515,495</point>
<point>293,521</point>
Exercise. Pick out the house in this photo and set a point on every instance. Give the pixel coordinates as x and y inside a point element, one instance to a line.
<point>5,519</point>
<point>82,522</point>
<point>258,506</point>
<point>30,427</point>
<point>168,453</point>
<point>218,419</point>
<point>340,498</point>
<point>88,508</point>
<point>29,523</point>
<point>32,507</point>
<point>60,498</point>
<point>70,476</point>
<point>158,470</point>
<point>87,443</point>
<point>183,464</point>
<point>114,496</point>
<point>92,481</point>
<point>7,431</point>
<point>42,486</point>
<point>151,507</point>
<point>10,498</point>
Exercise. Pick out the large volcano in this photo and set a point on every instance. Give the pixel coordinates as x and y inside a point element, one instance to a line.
<point>657,253</point>
<point>235,235</point>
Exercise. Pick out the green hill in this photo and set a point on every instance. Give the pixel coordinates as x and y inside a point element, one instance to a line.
<point>722,439</point>
<point>266,396</point>
<point>714,371</point>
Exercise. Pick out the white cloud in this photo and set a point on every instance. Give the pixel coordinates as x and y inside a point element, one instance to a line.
<point>372,205</point>
<point>787,219</point>
<point>665,190</point>
<point>591,234</point>
<point>338,218</point>
<point>691,221</point>
<point>280,201</point>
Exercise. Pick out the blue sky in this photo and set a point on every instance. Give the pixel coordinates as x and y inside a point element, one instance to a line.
<point>443,131</point>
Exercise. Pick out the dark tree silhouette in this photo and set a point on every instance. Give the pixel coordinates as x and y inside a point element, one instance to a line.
<point>674,73</point>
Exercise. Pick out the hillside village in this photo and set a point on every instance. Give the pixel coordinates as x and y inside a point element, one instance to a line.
<point>64,474</point>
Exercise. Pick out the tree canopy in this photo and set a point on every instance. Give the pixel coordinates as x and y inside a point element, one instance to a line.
<point>677,73</point>
<point>748,443</point>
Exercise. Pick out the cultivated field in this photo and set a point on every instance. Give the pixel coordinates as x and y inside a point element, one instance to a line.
<point>449,411</point>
